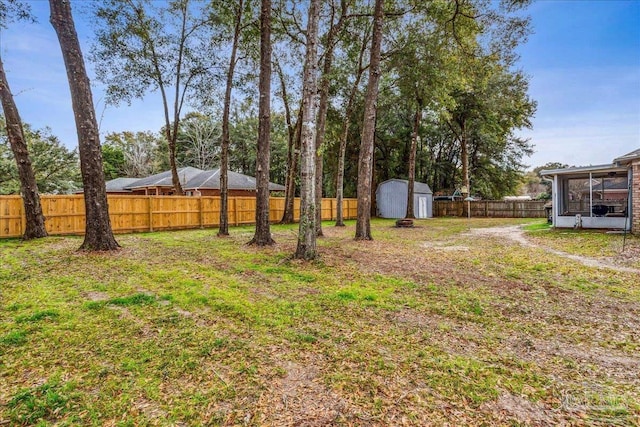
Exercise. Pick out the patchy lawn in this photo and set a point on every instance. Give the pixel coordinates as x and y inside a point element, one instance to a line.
<point>452,322</point>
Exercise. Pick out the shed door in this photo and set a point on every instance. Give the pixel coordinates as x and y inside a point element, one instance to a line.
<point>422,207</point>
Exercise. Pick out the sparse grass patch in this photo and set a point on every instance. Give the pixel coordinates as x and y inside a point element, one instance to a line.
<point>429,325</point>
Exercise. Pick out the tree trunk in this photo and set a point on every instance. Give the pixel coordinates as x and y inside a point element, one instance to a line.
<point>340,172</point>
<point>345,135</point>
<point>183,7</point>
<point>321,127</point>
<point>287,214</point>
<point>464,157</point>
<point>318,186</point>
<point>32,208</point>
<point>175,179</point>
<point>365,164</point>
<point>262,235</point>
<point>307,231</point>
<point>292,170</point>
<point>98,233</point>
<point>323,108</point>
<point>224,150</point>
<point>412,161</point>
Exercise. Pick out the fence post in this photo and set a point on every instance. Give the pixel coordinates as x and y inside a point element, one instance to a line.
<point>23,216</point>
<point>150,213</point>
<point>486,209</point>
<point>201,212</point>
<point>235,211</point>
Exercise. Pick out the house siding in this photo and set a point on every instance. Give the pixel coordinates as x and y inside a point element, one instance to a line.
<point>635,196</point>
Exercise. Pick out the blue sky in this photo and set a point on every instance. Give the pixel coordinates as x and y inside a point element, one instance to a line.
<point>583,60</point>
<point>584,64</point>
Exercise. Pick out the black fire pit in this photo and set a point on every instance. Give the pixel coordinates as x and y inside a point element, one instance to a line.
<point>404,223</point>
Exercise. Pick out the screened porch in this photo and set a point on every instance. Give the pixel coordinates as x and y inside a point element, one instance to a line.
<point>591,197</point>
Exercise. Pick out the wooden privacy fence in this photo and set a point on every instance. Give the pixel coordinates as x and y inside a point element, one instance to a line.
<point>65,214</point>
<point>491,208</point>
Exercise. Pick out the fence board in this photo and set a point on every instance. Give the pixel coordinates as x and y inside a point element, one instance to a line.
<point>65,214</point>
<point>11,217</point>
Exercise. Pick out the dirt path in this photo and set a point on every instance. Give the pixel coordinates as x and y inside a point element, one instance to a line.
<point>516,234</point>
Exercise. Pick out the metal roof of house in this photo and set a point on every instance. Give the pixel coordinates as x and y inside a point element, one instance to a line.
<point>236,181</point>
<point>616,166</point>
<point>164,179</point>
<point>418,187</point>
<point>582,170</point>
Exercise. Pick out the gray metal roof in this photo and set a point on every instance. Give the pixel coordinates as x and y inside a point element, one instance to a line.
<point>119,184</point>
<point>581,170</point>
<point>616,166</point>
<point>418,187</point>
<point>164,179</point>
<point>236,181</point>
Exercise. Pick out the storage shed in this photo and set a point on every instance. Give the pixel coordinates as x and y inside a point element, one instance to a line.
<point>391,199</point>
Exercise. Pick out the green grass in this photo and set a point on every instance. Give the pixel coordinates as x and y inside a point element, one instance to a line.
<point>427,325</point>
<point>50,400</point>
<point>538,226</point>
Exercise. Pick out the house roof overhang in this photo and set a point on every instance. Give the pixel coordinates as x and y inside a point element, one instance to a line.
<point>585,171</point>
<point>628,158</point>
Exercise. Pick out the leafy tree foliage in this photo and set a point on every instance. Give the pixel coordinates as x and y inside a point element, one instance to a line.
<point>112,161</point>
<point>537,187</point>
<point>146,46</point>
<point>450,97</point>
<point>199,141</point>
<point>56,168</point>
<point>35,227</point>
<point>133,154</point>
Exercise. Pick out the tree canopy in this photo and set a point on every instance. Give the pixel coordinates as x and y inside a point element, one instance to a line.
<point>451,97</point>
<point>57,169</point>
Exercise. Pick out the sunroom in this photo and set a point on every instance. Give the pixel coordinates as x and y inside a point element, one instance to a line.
<point>591,196</point>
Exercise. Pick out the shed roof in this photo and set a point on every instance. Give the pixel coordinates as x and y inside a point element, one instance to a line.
<point>164,179</point>
<point>418,187</point>
<point>236,181</point>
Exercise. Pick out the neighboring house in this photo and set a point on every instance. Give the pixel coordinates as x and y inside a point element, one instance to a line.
<point>601,196</point>
<point>161,184</point>
<point>207,183</point>
<point>392,195</point>
<point>195,182</point>
<point>603,189</point>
